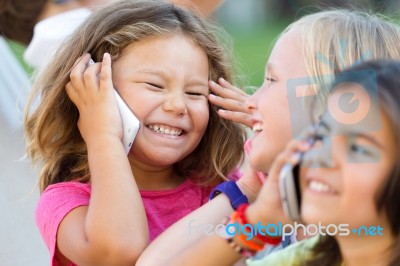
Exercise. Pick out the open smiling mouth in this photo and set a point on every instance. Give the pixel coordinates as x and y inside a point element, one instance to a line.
<point>166,130</point>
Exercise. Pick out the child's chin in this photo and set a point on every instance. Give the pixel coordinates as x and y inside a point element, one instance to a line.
<point>258,164</point>
<point>311,215</point>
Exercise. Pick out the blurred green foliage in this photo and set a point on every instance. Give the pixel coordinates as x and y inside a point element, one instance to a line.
<point>252,48</point>
<point>18,50</point>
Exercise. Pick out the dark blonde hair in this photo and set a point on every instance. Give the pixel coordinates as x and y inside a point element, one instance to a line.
<point>51,128</point>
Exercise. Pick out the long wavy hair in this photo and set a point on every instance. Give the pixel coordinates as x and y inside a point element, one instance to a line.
<point>53,138</point>
<point>327,251</point>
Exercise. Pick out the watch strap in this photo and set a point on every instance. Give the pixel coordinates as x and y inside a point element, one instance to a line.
<point>232,191</point>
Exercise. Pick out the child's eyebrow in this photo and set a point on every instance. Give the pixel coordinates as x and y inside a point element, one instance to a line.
<point>198,82</point>
<point>369,138</point>
<point>152,72</point>
<point>356,134</point>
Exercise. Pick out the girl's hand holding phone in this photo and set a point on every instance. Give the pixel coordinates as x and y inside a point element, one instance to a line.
<point>91,89</point>
<point>267,208</point>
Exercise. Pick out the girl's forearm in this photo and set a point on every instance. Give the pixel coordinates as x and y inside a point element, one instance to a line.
<point>116,216</point>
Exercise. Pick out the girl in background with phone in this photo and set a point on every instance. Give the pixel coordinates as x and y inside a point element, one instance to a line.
<point>98,206</point>
<point>315,48</point>
<point>351,176</point>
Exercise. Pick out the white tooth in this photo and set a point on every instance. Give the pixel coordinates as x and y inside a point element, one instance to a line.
<point>319,187</point>
<point>165,130</point>
<point>257,127</point>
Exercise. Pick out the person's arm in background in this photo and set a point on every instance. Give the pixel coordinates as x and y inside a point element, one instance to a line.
<point>204,7</point>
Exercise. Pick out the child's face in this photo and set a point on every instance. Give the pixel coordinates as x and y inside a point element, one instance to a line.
<point>270,106</point>
<point>165,82</point>
<point>348,164</point>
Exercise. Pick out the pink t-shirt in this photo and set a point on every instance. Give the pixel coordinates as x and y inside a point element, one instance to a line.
<point>163,208</point>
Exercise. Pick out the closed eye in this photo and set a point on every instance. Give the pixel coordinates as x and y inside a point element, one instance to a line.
<point>195,94</point>
<point>154,85</point>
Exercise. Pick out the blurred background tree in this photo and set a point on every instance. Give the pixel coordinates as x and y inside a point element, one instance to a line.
<point>255,24</point>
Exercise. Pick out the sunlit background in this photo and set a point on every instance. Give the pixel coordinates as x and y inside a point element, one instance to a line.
<point>255,24</point>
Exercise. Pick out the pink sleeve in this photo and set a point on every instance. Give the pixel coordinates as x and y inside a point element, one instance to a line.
<point>54,204</point>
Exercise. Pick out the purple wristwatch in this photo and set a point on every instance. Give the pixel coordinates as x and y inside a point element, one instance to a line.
<point>232,191</point>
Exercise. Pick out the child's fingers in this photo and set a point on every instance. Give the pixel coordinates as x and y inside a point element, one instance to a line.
<point>106,73</point>
<point>227,103</point>
<point>91,78</point>
<point>291,155</point>
<point>229,86</point>
<point>230,92</point>
<point>308,133</point>
<point>72,93</point>
<point>77,71</point>
<point>238,117</point>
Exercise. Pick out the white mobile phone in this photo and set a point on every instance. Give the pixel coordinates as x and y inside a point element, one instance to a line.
<point>130,123</point>
<point>290,190</point>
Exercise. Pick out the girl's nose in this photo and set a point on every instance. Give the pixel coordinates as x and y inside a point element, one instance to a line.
<point>175,102</point>
<point>251,102</point>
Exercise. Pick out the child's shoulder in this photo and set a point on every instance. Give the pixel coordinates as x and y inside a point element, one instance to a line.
<point>55,203</point>
<point>67,186</point>
<point>63,197</point>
